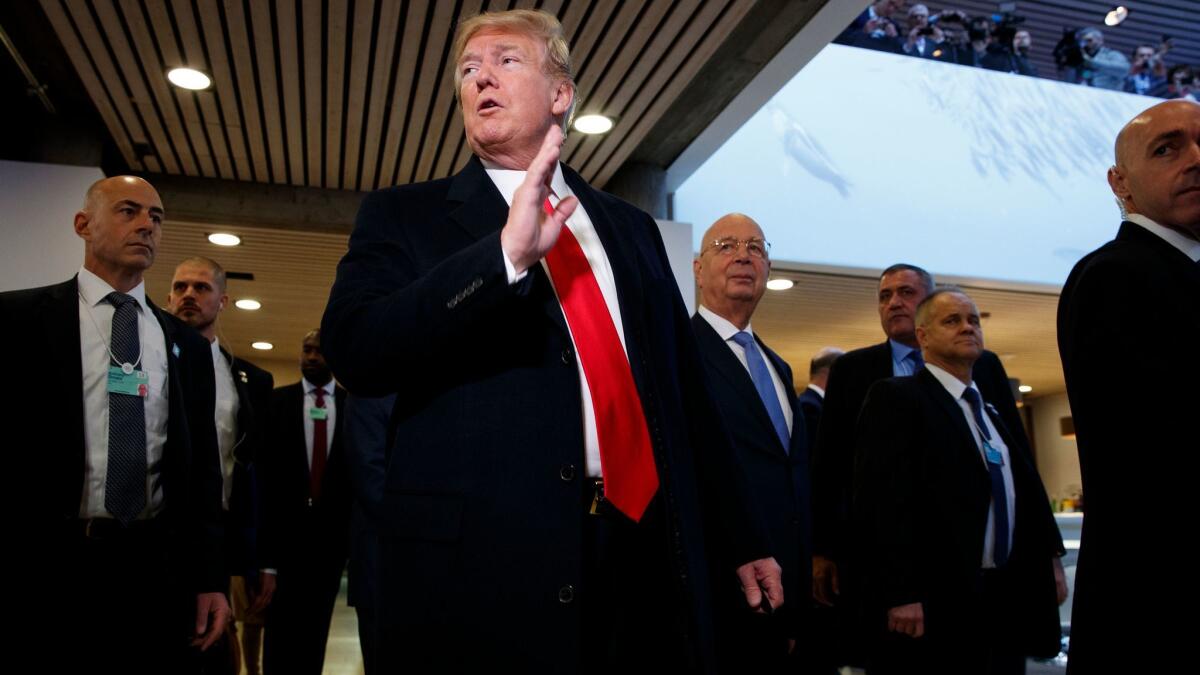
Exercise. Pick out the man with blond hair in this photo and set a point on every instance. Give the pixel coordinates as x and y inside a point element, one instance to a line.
<point>558,470</point>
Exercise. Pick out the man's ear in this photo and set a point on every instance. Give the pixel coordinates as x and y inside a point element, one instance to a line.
<point>1119,186</point>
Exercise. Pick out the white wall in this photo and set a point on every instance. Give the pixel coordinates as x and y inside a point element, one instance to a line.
<point>38,245</point>
<point>1057,457</point>
<point>677,237</point>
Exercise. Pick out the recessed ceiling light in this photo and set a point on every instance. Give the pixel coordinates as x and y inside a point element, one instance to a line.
<point>264,346</point>
<point>248,303</point>
<point>224,239</point>
<point>593,124</point>
<point>780,284</point>
<point>189,78</point>
<point>1116,16</point>
<point>1025,389</point>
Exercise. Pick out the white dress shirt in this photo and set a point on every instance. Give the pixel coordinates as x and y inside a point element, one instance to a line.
<point>727,330</point>
<point>226,419</point>
<point>507,181</point>
<point>1189,246</point>
<point>310,401</point>
<point>956,389</point>
<point>820,391</point>
<point>95,336</point>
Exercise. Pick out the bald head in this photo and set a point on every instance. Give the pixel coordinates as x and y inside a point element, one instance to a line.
<point>1157,169</point>
<point>731,269</point>
<point>120,224</point>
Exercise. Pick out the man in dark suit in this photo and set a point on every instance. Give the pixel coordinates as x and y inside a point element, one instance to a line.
<point>521,384</point>
<point>113,434</point>
<point>367,451</point>
<point>812,399</point>
<point>901,288</point>
<point>959,549</point>
<point>1136,295</point>
<point>306,514</point>
<point>755,395</point>
<point>243,398</point>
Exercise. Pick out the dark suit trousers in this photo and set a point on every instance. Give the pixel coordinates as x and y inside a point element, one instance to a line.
<point>975,637</point>
<point>297,625</point>
<point>631,598</point>
<point>123,608</point>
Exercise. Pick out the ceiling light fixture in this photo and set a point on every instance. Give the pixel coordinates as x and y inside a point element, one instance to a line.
<point>780,284</point>
<point>224,239</point>
<point>248,303</point>
<point>593,124</point>
<point>1116,16</point>
<point>189,78</point>
<point>1024,389</point>
<point>263,346</point>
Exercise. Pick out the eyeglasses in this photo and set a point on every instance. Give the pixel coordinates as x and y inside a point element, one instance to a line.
<point>758,248</point>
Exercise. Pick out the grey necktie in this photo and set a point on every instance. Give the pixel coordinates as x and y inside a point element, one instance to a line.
<point>125,483</point>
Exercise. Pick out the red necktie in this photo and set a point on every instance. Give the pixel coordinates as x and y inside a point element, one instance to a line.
<point>626,456</point>
<point>320,442</point>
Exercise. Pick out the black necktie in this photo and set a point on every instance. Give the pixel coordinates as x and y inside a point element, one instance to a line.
<point>125,483</point>
<point>999,494</point>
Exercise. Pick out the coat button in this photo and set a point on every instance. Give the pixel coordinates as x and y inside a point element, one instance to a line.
<point>566,356</point>
<point>566,594</point>
<point>567,472</point>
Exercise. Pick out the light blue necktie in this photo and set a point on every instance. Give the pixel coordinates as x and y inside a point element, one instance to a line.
<point>766,388</point>
<point>999,494</point>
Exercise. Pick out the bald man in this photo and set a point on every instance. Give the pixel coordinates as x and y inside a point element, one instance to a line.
<point>1137,296</point>
<point>112,448</point>
<point>755,394</point>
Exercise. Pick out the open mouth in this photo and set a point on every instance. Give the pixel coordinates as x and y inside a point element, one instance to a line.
<point>488,104</point>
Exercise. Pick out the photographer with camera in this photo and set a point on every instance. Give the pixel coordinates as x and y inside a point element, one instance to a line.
<point>1019,61</point>
<point>1148,74</point>
<point>1182,82</point>
<point>1087,61</point>
<point>874,28</point>
<point>956,46</point>
<point>923,38</point>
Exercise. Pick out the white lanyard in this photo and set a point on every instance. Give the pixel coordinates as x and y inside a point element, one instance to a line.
<point>126,367</point>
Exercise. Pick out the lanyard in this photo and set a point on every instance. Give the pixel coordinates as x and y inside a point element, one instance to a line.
<point>126,367</point>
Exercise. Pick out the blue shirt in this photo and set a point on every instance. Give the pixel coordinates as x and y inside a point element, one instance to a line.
<point>902,365</point>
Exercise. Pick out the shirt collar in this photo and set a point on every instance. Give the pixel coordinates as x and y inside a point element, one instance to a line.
<point>820,391</point>
<point>508,180</point>
<point>93,289</point>
<point>900,351</point>
<point>309,387</point>
<point>722,325</point>
<point>1190,247</point>
<point>217,354</point>
<point>950,382</point>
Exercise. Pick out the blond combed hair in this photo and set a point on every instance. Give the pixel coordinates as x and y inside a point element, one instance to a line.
<point>541,26</point>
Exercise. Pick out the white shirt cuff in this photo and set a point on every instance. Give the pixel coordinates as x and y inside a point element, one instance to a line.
<point>511,269</point>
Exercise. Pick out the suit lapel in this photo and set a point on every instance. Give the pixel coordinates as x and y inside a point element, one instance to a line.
<point>175,450</point>
<point>60,329</point>
<point>950,407</point>
<point>881,359</point>
<point>731,370</point>
<point>245,414</point>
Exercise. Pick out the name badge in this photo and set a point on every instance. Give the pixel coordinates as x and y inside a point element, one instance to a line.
<point>318,413</point>
<point>993,455</point>
<point>134,383</point>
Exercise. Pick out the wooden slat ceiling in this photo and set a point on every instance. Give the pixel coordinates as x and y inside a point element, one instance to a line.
<point>294,270</point>
<point>357,94</point>
<point>1045,20</point>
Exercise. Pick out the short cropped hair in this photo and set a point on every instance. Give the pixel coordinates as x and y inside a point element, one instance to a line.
<point>213,266</point>
<point>542,26</point>
<point>923,307</point>
<point>823,360</point>
<point>926,277</point>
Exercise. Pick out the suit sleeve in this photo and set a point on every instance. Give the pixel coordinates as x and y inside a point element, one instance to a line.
<point>833,461</point>
<point>270,481</point>
<point>388,318</point>
<point>367,425</point>
<point>885,501</point>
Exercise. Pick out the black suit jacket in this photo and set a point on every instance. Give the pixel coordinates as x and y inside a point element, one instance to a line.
<point>1134,301</point>
<point>46,414</point>
<point>482,501</point>
<point>367,439</point>
<point>779,478</point>
<point>922,494</point>
<point>253,386</point>
<point>833,461</point>
<point>292,529</point>
<point>811,403</point>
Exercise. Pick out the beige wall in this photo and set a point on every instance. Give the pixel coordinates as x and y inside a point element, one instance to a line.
<point>1057,457</point>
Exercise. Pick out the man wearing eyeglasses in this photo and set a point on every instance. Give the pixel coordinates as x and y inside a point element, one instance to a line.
<point>754,392</point>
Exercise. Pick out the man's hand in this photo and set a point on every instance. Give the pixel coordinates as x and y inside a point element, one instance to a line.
<point>825,580</point>
<point>758,576</point>
<point>266,590</point>
<point>1060,580</point>
<point>908,619</point>
<point>530,233</point>
<point>212,611</point>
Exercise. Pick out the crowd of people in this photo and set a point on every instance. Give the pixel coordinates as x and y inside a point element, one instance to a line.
<point>541,464</point>
<point>999,42</point>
